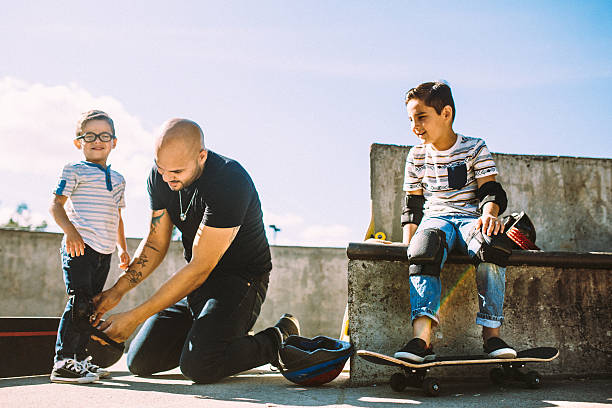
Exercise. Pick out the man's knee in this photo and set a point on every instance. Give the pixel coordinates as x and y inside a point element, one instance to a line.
<point>138,365</point>
<point>426,251</point>
<point>201,371</point>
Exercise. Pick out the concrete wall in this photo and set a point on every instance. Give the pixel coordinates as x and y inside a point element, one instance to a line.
<point>569,199</point>
<point>308,282</point>
<point>565,308</point>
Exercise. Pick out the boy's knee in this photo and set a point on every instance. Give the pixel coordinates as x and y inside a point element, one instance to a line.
<point>426,252</point>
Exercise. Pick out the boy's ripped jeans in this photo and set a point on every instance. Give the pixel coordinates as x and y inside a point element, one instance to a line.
<point>490,278</point>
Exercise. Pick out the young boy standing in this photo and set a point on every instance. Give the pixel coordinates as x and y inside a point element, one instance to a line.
<point>452,202</point>
<point>87,206</point>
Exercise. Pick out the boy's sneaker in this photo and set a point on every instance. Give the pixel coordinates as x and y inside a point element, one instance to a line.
<point>416,351</point>
<point>69,370</point>
<point>92,368</point>
<point>495,347</point>
<point>286,326</point>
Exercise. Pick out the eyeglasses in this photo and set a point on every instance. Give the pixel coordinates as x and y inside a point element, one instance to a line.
<point>91,137</point>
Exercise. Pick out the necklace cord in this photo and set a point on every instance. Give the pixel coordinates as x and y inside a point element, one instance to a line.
<point>183,215</point>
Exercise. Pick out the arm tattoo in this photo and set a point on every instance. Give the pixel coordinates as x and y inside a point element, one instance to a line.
<point>142,260</point>
<point>133,275</point>
<point>156,220</point>
<point>147,245</point>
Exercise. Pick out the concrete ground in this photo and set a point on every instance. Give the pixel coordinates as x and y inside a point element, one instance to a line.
<point>264,388</point>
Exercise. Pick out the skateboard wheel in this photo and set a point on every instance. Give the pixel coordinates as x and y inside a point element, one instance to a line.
<point>533,379</point>
<point>380,235</point>
<point>398,382</point>
<point>497,376</point>
<point>431,386</point>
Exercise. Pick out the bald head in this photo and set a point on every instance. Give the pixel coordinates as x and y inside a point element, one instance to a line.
<point>180,133</point>
<point>180,152</point>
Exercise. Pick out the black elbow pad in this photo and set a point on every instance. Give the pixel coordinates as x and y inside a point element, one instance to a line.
<point>492,191</point>
<point>412,212</point>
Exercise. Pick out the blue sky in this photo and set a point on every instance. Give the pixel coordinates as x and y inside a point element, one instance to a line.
<point>295,90</point>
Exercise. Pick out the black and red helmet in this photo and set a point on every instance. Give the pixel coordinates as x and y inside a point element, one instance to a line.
<point>520,230</point>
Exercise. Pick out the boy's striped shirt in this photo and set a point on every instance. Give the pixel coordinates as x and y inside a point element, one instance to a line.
<point>95,196</point>
<point>429,169</point>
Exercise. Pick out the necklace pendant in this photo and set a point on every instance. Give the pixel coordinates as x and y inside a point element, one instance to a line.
<point>183,216</point>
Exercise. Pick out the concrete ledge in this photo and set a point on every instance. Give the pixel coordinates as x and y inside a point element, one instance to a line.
<point>567,307</point>
<point>567,259</point>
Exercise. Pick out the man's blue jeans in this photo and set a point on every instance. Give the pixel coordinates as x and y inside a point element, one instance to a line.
<point>425,290</point>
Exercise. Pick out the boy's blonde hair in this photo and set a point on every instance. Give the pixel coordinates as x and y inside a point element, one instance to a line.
<point>93,114</point>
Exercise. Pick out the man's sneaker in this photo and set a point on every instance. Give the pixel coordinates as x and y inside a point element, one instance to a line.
<point>286,326</point>
<point>69,370</point>
<point>92,368</point>
<point>495,347</point>
<point>416,351</point>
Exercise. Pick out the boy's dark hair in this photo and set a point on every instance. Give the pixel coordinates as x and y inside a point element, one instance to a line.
<point>434,94</point>
<point>93,115</point>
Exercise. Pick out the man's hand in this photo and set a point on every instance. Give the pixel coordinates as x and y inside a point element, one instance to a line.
<point>104,302</point>
<point>120,326</point>
<point>75,246</point>
<point>124,259</point>
<point>490,224</point>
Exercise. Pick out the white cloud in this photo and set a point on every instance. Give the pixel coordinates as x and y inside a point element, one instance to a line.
<point>37,125</point>
<point>294,230</point>
<point>327,235</point>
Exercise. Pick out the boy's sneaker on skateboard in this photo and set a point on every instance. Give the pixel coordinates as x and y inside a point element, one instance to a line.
<point>416,351</point>
<point>70,370</point>
<point>92,368</point>
<point>495,347</point>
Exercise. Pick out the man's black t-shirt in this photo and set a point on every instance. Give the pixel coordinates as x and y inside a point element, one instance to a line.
<point>225,197</point>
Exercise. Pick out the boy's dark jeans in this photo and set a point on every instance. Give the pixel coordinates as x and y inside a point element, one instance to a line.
<point>86,273</point>
<point>206,334</point>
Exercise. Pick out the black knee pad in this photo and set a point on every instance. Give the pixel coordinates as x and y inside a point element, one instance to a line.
<point>495,248</point>
<point>425,252</point>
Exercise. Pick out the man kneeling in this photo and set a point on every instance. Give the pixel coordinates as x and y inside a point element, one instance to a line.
<point>199,319</point>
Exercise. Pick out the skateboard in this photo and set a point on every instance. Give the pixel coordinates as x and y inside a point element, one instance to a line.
<point>28,346</point>
<point>415,373</point>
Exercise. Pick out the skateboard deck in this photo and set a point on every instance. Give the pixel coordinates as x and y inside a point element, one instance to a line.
<point>530,355</point>
<point>28,346</point>
<point>509,368</point>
